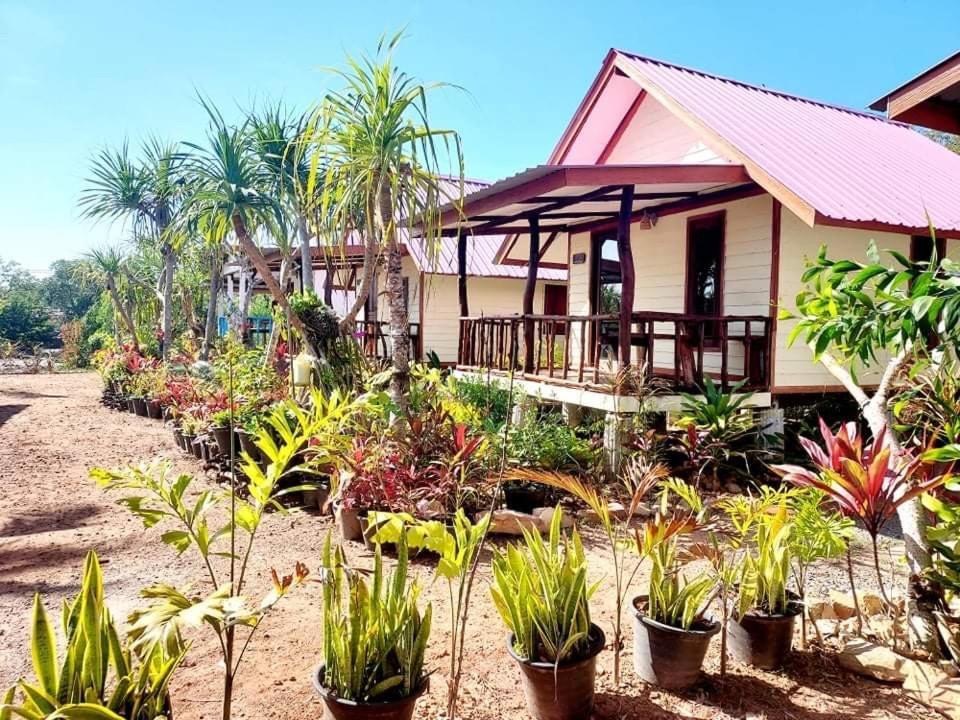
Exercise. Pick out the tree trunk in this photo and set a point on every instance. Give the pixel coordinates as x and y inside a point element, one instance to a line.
<point>169,269</point>
<point>306,260</point>
<point>328,276</point>
<point>251,250</point>
<point>122,311</point>
<point>210,329</point>
<point>913,528</point>
<point>399,321</point>
<point>366,282</point>
<point>275,329</point>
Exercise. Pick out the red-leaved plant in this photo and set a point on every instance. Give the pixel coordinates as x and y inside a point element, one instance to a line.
<point>867,482</point>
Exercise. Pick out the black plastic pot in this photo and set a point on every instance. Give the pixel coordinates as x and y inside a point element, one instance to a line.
<point>667,656</point>
<point>140,406</point>
<point>563,692</point>
<point>154,410</point>
<point>222,436</point>
<point>762,640</point>
<point>248,446</point>
<point>131,407</point>
<point>178,438</point>
<point>187,442</point>
<point>523,498</point>
<point>338,709</point>
<point>196,447</point>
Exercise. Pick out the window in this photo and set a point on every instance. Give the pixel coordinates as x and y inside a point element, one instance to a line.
<point>705,265</point>
<point>921,248</point>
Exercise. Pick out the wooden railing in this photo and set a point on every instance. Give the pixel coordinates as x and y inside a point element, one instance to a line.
<point>374,338</point>
<point>583,348</point>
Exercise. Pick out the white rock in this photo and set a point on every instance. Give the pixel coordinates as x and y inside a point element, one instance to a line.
<point>545,516</point>
<point>928,684</point>
<point>876,661</point>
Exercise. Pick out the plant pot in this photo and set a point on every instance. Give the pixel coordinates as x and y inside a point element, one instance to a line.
<point>348,520</point>
<point>369,530</point>
<point>187,442</point>
<point>248,446</point>
<point>196,447</point>
<point>564,692</point>
<point>667,656</point>
<point>154,411</point>
<point>140,406</point>
<point>337,709</point>
<point>761,640</point>
<point>131,407</point>
<point>178,438</point>
<point>523,498</point>
<point>222,436</point>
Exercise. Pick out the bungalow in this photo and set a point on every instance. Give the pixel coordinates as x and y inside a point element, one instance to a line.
<point>433,294</point>
<point>685,206</point>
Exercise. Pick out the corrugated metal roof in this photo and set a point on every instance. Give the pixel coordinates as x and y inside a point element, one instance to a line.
<point>441,259</point>
<point>846,165</point>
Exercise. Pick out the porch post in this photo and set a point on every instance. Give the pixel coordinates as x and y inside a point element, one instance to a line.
<point>462,340</point>
<point>627,274</point>
<point>462,272</point>
<point>528,292</point>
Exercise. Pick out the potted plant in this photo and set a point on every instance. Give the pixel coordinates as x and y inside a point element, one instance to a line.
<point>671,632</point>
<point>220,429</point>
<point>374,638</point>
<point>543,597</point>
<point>761,631</point>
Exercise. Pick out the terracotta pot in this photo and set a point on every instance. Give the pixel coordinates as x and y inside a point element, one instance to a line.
<point>761,640</point>
<point>349,523</point>
<point>667,656</point>
<point>564,692</point>
<point>337,709</point>
<point>154,411</point>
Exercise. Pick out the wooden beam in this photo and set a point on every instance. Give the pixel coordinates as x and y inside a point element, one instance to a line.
<point>775,221</point>
<point>462,272</point>
<point>627,272</point>
<point>528,292</point>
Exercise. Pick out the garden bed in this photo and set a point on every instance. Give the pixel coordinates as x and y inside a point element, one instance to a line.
<point>53,428</point>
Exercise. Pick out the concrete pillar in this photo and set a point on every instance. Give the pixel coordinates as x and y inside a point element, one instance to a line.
<point>614,425</point>
<point>524,405</point>
<point>572,414</point>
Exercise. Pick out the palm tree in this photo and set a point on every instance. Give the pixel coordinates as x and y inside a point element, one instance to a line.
<point>381,156</point>
<point>108,265</point>
<point>277,137</point>
<point>147,193</point>
<point>232,192</point>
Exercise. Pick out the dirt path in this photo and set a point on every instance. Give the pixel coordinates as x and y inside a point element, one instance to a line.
<point>52,429</point>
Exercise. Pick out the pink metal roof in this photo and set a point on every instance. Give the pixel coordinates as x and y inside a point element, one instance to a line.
<point>481,259</point>
<point>826,163</point>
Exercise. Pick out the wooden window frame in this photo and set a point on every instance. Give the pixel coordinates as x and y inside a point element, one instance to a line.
<point>692,221</point>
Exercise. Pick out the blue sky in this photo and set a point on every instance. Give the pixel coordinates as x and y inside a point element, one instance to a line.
<point>75,76</point>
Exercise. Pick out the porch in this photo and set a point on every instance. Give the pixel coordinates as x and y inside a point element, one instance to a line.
<point>597,220</point>
<point>584,350</point>
<point>376,343</point>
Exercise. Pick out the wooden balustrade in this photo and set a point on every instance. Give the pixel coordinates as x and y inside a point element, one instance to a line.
<point>684,349</point>
<point>374,339</point>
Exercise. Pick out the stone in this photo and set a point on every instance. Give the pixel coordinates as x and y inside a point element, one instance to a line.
<point>875,661</point>
<point>617,511</point>
<point>822,610</point>
<point>511,522</point>
<point>643,510</point>
<point>930,685</point>
<point>545,516</point>
<point>843,605</point>
<point>871,604</point>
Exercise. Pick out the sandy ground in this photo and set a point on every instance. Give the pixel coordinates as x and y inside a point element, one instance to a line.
<point>53,428</point>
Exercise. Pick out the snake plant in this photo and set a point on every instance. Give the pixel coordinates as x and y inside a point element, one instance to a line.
<point>374,635</point>
<point>541,593</point>
<point>97,677</point>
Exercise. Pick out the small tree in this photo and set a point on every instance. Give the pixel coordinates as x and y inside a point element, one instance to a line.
<point>885,316</point>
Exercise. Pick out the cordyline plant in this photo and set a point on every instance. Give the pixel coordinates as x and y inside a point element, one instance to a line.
<point>639,479</point>
<point>156,496</point>
<point>867,482</point>
<point>886,315</point>
<point>98,676</point>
